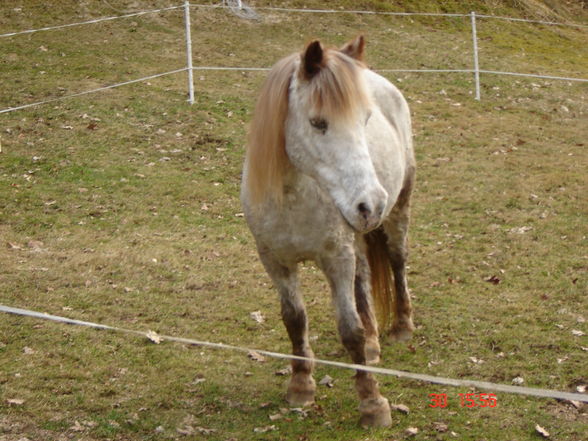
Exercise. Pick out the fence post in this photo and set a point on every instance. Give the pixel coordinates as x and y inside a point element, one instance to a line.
<point>189,52</point>
<point>476,64</point>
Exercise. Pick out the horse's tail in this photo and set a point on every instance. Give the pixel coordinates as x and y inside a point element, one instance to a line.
<point>381,276</point>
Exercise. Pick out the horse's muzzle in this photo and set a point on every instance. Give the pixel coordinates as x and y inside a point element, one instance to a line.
<point>369,210</point>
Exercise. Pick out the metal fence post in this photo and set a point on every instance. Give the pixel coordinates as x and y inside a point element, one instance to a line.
<point>189,52</point>
<point>476,64</point>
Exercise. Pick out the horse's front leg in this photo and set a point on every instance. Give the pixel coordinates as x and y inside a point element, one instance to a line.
<point>302,386</point>
<point>340,271</point>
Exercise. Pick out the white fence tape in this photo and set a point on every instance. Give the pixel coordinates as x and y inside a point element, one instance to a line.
<point>294,10</point>
<point>397,14</point>
<point>528,75</point>
<point>524,20</point>
<point>97,20</point>
<point>265,69</point>
<point>190,68</point>
<point>483,385</point>
<point>100,89</point>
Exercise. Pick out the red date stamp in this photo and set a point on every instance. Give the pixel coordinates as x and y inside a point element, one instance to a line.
<point>469,400</point>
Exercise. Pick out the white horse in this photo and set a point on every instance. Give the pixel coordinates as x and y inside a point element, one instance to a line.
<point>328,177</point>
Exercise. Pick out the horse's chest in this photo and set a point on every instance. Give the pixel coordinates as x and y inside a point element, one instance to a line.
<point>307,225</point>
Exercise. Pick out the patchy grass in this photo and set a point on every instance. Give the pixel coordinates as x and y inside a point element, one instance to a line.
<point>122,208</point>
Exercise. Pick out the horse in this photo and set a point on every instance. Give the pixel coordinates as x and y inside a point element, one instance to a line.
<point>328,174</point>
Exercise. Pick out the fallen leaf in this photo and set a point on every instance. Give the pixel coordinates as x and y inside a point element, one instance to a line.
<point>493,279</point>
<point>77,427</point>
<point>28,351</point>
<point>300,411</point>
<point>520,230</point>
<point>286,371</point>
<point>440,427</point>
<point>204,431</point>
<point>326,381</point>
<point>578,333</point>
<point>153,336</point>
<point>411,431</point>
<point>13,246</point>
<point>256,356</point>
<point>581,388</point>
<point>541,431</point>
<point>264,429</point>
<point>35,245</point>
<point>275,417</point>
<point>257,316</point>
<point>186,431</point>
<point>576,404</point>
<point>518,380</point>
<point>15,402</point>
<point>400,408</point>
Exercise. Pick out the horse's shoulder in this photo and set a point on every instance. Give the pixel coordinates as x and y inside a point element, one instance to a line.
<point>390,101</point>
<point>386,94</point>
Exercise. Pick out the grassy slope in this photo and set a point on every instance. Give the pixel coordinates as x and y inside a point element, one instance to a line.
<point>120,207</point>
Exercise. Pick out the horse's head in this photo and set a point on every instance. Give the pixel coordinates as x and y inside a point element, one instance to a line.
<point>325,130</point>
<point>312,114</point>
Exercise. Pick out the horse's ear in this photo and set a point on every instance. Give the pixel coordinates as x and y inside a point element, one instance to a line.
<point>355,48</point>
<point>313,59</point>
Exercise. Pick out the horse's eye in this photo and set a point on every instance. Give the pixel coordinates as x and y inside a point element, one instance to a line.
<point>319,124</point>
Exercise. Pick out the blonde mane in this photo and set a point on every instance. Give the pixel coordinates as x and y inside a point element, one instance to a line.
<point>337,93</point>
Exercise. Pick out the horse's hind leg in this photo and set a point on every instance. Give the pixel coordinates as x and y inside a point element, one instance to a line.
<point>396,228</point>
<point>340,271</point>
<point>302,386</point>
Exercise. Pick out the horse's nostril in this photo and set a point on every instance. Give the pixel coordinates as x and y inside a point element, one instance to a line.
<point>364,209</point>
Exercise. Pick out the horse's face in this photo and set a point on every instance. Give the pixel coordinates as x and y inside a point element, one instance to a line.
<point>334,151</point>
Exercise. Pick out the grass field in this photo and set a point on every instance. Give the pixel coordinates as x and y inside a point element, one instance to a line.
<point>121,207</point>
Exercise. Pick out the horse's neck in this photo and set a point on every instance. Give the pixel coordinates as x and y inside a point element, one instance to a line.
<point>301,185</point>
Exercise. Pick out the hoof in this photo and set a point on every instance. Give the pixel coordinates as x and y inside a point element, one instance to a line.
<point>372,351</point>
<point>301,391</point>
<point>375,412</point>
<point>402,330</point>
